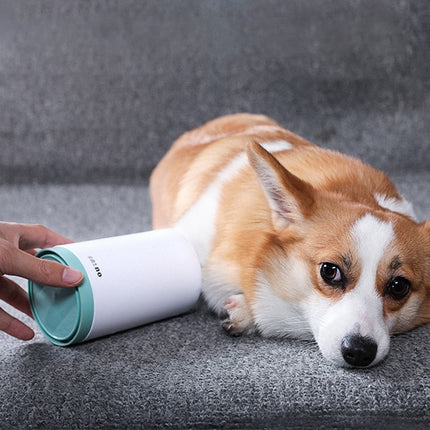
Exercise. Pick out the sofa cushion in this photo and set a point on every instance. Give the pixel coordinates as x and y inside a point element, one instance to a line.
<point>185,372</point>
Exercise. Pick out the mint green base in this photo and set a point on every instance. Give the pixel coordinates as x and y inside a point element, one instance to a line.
<point>64,315</point>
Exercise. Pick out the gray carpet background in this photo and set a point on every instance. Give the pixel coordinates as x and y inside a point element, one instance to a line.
<point>92,93</point>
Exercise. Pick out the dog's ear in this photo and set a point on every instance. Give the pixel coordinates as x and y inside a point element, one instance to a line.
<point>424,316</point>
<point>426,226</point>
<point>289,197</point>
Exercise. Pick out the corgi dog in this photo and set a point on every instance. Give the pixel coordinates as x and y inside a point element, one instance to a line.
<point>296,240</point>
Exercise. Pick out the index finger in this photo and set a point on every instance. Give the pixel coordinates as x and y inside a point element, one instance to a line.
<point>13,261</point>
<point>38,236</point>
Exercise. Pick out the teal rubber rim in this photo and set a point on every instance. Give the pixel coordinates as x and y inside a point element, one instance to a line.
<point>64,315</point>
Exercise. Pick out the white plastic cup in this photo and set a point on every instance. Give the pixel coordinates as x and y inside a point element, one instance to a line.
<point>128,281</point>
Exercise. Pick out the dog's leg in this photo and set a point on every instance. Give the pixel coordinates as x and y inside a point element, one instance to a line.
<point>236,318</point>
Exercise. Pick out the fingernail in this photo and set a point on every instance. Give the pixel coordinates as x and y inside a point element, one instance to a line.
<point>71,276</point>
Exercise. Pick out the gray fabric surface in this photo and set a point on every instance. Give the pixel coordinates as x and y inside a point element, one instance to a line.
<point>185,372</point>
<point>93,92</point>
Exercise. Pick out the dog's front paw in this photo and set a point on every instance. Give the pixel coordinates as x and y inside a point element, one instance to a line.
<point>236,318</point>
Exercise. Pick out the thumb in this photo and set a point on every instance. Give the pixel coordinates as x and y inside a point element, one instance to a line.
<point>46,272</point>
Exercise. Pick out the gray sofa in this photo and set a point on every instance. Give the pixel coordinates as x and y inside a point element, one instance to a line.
<point>92,93</point>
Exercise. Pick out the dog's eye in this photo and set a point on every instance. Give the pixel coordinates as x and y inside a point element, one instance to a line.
<point>398,288</point>
<point>331,274</point>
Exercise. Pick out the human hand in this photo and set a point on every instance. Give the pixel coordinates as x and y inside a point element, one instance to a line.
<point>17,250</point>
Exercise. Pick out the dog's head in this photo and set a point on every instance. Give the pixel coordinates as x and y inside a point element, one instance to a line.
<point>357,272</point>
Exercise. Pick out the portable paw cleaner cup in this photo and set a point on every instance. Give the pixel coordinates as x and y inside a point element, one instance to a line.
<point>128,281</point>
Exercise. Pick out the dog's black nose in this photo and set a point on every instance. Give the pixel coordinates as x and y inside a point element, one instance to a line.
<point>358,350</point>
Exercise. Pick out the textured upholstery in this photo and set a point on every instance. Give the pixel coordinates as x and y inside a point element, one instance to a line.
<point>92,93</point>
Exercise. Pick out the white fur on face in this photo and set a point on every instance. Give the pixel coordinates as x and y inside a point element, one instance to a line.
<point>359,311</point>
